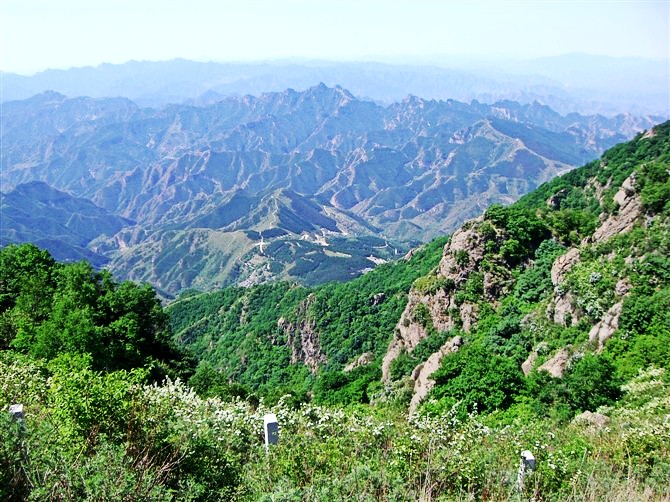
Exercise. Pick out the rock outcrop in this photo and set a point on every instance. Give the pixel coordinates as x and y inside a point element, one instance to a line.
<point>422,373</point>
<point>591,419</point>
<point>630,210</point>
<point>527,365</point>
<point>605,328</point>
<point>302,338</point>
<point>461,256</point>
<point>557,365</point>
<point>362,360</point>
<point>561,308</point>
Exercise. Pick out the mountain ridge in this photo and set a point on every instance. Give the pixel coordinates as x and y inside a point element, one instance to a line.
<point>405,172</point>
<point>565,82</point>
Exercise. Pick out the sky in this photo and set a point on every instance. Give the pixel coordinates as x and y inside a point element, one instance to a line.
<point>40,34</point>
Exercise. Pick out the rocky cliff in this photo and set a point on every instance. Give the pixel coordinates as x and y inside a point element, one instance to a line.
<point>581,287</point>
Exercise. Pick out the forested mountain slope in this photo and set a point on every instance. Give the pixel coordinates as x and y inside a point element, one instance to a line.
<point>576,267</point>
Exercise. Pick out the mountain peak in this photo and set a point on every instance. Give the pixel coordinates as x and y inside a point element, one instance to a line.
<point>48,97</point>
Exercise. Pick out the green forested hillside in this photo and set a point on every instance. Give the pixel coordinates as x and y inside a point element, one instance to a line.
<point>249,334</point>
<point>243,333</point>
<point>540,326</point>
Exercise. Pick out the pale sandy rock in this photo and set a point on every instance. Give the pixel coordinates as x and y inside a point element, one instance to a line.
<point>497,284</point>
<point>650,133</point>
<point>562,266</point>
<point>423,384</point>
<point>630,209</point>
<point>605,328</point>
<point>303,339</point>
<point>465,239</point>
<point>461,256</point>
<point>589,418</point>
<point>623,286</point>
<point>362,360</point>
<point>527,365</point>
<point>557,365</point>
<point>408,332</point>
<point>561,308</point>
<point>468,312</point>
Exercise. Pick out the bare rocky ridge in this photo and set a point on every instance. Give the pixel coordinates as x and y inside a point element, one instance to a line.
<point>557,365</point>
<point>460,258</point>
<point>286,165</point>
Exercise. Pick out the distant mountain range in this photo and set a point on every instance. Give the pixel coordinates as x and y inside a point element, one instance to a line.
<point>570,83</point>
<point>315,185</point>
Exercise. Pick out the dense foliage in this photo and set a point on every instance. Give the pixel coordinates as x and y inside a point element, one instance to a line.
<point>108,436</point>
<point>49,308</point>
<point>248,334</point>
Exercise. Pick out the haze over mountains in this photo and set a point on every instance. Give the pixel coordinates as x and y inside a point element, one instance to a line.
<point>574,82</point>
<point>315,184</point>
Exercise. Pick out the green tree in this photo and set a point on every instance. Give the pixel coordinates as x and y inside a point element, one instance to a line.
<point>477,379</point>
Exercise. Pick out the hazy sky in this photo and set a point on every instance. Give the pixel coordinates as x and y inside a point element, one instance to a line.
<point>40,34</point>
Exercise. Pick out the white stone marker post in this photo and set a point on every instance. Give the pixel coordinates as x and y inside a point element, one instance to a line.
<point>271,430</point>
<point>527,464</point>
<point>16,411</point>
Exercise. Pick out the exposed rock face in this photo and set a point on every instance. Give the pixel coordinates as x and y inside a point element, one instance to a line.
<point>461,256</point>
<point>605,328</point>
<point>527,365</point>
<point>562,266</point>
<point>557,365</point>
<point>468,313</point>
<point>623,286</point>
<point>363,359</point>
<point>561,308</point>
<point>422,373</point>
<point>303,339</point>
<point>595,420</point>
<point>225,165</point>
<point>463,253</point>
<point>630,209</point>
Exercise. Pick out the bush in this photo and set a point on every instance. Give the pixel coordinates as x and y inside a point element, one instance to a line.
<point>476,379</point>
